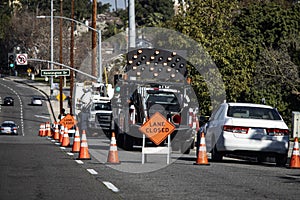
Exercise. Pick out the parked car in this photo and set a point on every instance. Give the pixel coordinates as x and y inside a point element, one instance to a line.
<point>36,101</point>
<point>8,101</point>
<point>247,129</point>
<point>9,127</point>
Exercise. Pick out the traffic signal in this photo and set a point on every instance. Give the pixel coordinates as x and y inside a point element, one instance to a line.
<point>11,60</point>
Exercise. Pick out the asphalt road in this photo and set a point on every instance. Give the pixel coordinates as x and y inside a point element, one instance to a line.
<point>33,167</point>
<point>30,166</point>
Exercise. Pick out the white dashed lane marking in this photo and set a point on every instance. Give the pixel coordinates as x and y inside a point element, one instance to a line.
<point>79,162</point>
<point>92,171</point>
<point>110,186</point>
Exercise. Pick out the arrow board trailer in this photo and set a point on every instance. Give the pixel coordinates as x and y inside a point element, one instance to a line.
<point>154,81</point>
<point>57,72</point>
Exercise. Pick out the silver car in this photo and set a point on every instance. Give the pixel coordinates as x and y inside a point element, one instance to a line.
<point>247,129</point>
<point>36,101</point>
<point>9,127</point>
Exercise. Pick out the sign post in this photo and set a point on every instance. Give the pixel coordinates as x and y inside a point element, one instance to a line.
<point>157,129</point>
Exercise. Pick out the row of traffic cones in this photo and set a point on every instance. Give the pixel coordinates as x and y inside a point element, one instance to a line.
<point>79,145</point>
<point>45,130</point>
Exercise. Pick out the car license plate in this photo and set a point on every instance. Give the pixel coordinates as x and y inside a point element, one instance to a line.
<point>259,131</point>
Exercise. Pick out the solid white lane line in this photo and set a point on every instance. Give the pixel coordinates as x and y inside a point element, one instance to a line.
<point>110,186</point>
<point>92,171</point>
<point>70,154</point>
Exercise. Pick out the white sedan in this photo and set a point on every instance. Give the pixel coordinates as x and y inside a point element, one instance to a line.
<point>36,101</point>
<point>247,129</point>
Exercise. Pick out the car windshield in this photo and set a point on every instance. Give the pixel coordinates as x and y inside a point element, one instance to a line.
<point>7,125</point>
<point>101,106</point>
<point>253,112</point>
<point>162,98</point>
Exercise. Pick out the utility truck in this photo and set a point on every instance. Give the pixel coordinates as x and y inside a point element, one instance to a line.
<point>154,81</point>
<point>92,106</point>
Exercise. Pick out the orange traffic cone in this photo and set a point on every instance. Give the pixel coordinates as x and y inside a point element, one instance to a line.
<point>84,151</point>
<point>61,135</point>
<point>42,130</point>
<point>48,130</point>
<point>45,130</point>
<point>295,159</point>
<point>66,139</point>
<point>56,132</point>
<point>76,143</point>
<point>113,157</point>
<point>202,155</point>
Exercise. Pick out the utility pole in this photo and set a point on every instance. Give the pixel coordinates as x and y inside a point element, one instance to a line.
<point>72,58</point>
<point>94,35</point>
<point>60,58</point>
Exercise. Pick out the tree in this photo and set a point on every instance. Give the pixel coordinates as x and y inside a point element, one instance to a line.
<point>5,15</point>
<point>151,13</point>
<point>273,41</point>
<point>210,23</point>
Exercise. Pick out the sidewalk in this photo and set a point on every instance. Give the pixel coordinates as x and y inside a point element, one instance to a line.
<point>44,88</point>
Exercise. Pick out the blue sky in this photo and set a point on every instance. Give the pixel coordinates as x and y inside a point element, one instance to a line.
<point>120,3</point>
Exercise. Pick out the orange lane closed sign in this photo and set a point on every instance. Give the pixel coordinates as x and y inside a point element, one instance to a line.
<point>68,121</point>
<point>157,128</point>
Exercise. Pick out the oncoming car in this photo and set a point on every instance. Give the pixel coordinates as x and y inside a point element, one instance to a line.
<point>36,101</point>
<point>9,127</point>
<point>247,129</point>
<point>8,101</point>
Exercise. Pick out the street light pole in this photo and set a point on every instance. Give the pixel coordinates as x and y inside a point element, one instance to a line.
<point>72,59</point>
<point>60,58</point>
<point>99,40</point>
<point>51,47</point>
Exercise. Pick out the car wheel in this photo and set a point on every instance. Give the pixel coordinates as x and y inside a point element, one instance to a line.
<point>281,160</point>
<point>261,158</point>
<point>127,142</point>
<point>215,155</point>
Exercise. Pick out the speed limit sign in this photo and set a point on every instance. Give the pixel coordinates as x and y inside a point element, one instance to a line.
<point>21,59</point>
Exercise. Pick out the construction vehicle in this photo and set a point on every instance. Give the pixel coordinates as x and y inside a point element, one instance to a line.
<point>154,80</point>
<point>92,106</point>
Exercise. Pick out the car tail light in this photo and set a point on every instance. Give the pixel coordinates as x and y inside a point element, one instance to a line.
<point>277,131</point>
<point>176,119</point>
<point>236,129</point>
